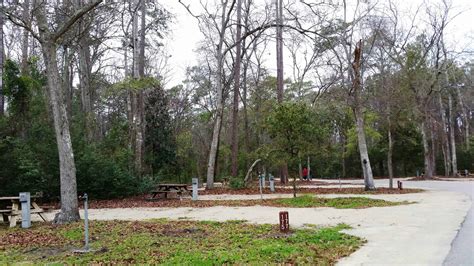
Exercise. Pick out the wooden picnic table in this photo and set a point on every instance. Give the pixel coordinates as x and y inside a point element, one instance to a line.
<point>164,189</point>
<point>10,208</point>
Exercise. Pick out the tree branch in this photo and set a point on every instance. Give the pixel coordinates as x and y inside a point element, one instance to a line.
<point>77,15</point>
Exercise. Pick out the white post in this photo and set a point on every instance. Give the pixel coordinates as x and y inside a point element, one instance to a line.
<point>272,183</point>
<point>195,188</point>
<point>25,201</point>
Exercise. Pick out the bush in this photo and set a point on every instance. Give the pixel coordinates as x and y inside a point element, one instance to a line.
<point>236,183</point>
<point>102,177</point>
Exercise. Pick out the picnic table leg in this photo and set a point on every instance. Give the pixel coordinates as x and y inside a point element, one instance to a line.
<point>36,207</point>
<point>5,217</point>
<point>13,216</point>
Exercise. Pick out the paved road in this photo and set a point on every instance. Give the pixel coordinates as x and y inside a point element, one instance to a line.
<point>462,248</point>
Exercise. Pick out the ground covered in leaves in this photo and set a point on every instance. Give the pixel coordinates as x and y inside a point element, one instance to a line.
<point>441,178</point>
<point>176,242</point>
<point>302,201</point>
<point>316,190</point>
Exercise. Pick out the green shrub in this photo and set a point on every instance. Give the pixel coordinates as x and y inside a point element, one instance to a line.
<point>236,183</point>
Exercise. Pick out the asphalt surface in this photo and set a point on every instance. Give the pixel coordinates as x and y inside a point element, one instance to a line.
<point>462,247</point>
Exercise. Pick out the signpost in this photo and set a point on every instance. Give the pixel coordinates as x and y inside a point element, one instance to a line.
<point>195,188</point>
<point>86,248</point>
<point>284,222</point>
<point>25,201</point>
<point>271,179</point>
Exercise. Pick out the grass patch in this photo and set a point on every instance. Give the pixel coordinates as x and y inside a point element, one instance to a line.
<point>177,242</point>
<point>308,201</point>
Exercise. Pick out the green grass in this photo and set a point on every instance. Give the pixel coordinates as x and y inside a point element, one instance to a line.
<point>176,242</point>
<point>308,201</point>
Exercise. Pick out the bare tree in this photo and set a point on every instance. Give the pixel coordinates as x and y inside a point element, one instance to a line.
<point>235,109</point>
<point>25,37</point>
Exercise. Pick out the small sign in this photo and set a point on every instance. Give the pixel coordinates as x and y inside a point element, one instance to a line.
<point>284,222</point>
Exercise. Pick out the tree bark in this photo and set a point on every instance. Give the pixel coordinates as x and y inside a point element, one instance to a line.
<point>279,49</point>
<point>137,96</point>
<point>86,88</point>
<point>426,153</point>
<point>343,156</point>
<point>454,162</point>
<point>211,166</point>
<point>279,55</point>
<point>359,117</point>
<point>247,176</point>
<point>433,147</point>
<point>465,117</point>
<point>389,156</point>
<point>67,80</point>
<point>25,38</point>
<point>244,85</point>
<point>2,97</point>
<point>213,151</point>
<point>69,204</point>
<point>300,169</point>
<point>85,81</point>
<point>235,109</point>
<point>49,45</point>
<point>444,136</point>
<point>309,167</point>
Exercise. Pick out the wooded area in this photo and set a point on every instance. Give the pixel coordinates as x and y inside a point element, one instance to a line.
<point>85,104</point>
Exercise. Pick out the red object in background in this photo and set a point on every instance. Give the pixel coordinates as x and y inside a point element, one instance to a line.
<point>284,222</point>
<point>305,172</point>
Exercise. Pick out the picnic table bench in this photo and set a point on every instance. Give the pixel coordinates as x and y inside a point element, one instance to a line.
<point>164,189</point>
<point>11,211</point>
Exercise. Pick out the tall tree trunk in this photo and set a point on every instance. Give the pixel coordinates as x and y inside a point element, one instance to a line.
<point>86,88</point>
<point>279,49</point>
<point>389,155</point>
<point>357,109</point>
<point>140,145</point>
<point>25,37</point>
<point>454,162</point>
<point>69,204</point>
<point>300,169</point>
<point>246,117</point>
<point>67,169</point>
<point>67,80</point>
<point>246,63</point>
<point>235,109</point>
<point>2,97</point>
<point>363,151</point>
<point>343,156</point>
<point>137,96</point>
<point>211,166</point>
<point>426,153</point>
<point>309,167</point>
<point>433,147</point>
<point>85,79</point>
<point>213,151</point>
<point>465,118</point>
<point>444,136</point>
<point>279,55</point>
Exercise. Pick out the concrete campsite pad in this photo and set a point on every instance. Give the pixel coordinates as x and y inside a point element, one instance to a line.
<point>419,233</point>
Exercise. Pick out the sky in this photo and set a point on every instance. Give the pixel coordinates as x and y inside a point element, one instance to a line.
<point>185,34</point>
